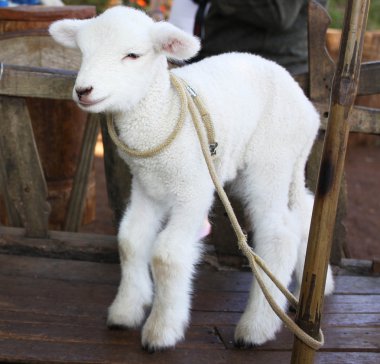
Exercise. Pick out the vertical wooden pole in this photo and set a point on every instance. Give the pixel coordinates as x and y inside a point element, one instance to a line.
<point>326,199</point>
<point>24,177</point>
<point>77,200</point>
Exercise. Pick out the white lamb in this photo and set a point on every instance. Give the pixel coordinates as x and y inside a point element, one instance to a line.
<point>265,127</point>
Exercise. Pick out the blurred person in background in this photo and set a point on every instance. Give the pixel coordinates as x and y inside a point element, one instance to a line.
<point>273,29</point>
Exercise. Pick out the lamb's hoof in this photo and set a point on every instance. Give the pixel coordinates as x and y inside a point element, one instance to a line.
<point>119,316</point>
<point>152,349</point>
<point>242,344</point>
<point>159,335</point>
<point>116,327</point>
<point>253,332</point>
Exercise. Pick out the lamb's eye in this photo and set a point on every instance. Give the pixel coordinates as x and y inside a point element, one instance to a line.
<point>132,56</point>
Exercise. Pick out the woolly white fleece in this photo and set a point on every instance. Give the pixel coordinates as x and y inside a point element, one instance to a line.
<point>265,127</point>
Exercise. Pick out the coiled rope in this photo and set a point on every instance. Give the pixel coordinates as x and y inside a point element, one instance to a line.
<point>191,101</point>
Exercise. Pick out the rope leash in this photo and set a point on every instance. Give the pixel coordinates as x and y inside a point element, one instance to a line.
<point>190,100</point>
<point>182,116</point>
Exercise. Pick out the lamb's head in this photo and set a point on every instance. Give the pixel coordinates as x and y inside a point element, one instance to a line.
<point>123,50</point>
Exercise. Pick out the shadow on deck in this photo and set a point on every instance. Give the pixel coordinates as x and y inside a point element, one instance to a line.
<point>54,310</point>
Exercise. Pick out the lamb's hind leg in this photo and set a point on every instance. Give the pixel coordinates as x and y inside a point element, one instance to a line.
<point>138,229</point>
<point>276,236</point>
<point>176,252</point>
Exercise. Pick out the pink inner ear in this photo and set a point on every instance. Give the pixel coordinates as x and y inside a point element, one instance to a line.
<point>172,46</point>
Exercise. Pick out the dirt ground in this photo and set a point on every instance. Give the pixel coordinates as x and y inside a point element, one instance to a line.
<point>363,206</point>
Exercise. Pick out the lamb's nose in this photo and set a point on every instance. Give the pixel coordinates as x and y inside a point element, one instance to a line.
<point>83,91</point>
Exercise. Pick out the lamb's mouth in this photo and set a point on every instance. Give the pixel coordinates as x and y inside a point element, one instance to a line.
<point>90,103</point>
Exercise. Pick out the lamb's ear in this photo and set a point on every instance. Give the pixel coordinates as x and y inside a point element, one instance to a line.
<point>64,31</point>
<point>173,42</point>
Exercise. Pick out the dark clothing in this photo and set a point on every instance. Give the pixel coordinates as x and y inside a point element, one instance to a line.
<point>274,29</point>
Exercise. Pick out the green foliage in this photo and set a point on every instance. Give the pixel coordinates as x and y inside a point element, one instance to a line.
<point>336,10</point>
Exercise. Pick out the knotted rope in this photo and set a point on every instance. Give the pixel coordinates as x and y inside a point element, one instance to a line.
<point>191,101</point>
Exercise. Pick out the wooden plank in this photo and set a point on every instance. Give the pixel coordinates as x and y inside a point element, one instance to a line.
<point>347,358</point>
<point>198,318</point>
<point>25,179</point>
<point>321,67</point>
<point>61,269</point>
<point>237,281</point>
<point>77,200</point>
<point>329,319</point>
<point>224,301</point>
<point>336,339</point>
<point>200,337</point>
<point>351,320</point>
<point>361,120</point>
<point>369,83</point>
<point>47,13</point>
<point>357,266</point>
<point>36,48</point>
<point>357,285</point>
<point>37,82</point>
<point>42,352</point>
<point>65,320</point>
<point>89,297</point>
<point>64,245</point>
<point>13,217</point>
<point>205,280</point>
<point>32,316</point>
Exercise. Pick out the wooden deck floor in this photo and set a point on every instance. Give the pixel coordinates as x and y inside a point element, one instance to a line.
<point>54,310</point>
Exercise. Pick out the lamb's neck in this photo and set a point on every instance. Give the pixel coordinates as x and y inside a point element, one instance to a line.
<point>153,118</point>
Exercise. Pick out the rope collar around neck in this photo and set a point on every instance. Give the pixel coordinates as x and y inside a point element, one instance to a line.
<point>179,85</point>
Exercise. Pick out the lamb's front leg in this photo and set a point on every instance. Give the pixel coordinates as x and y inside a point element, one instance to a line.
<point>138,229</point>
<point>177,251</point>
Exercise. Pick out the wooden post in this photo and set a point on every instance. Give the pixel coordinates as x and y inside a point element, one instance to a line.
<point>319,246</point>
<point>24,176</point>
<point>77,200</point>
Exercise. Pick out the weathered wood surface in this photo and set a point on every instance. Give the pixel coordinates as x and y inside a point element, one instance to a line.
<point>54,310</point>
<point>12,216</point>
<point>39,17</point>
<point>49,13</point>
<point>25,182</point>
<point>46,83</point>
<point>60,244</point>
<point>58,125</point>
<point>344,88</point>
<point>321,66</point>
<point>369,82</point>
<point>77,201</point>
<point>37,49</point>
